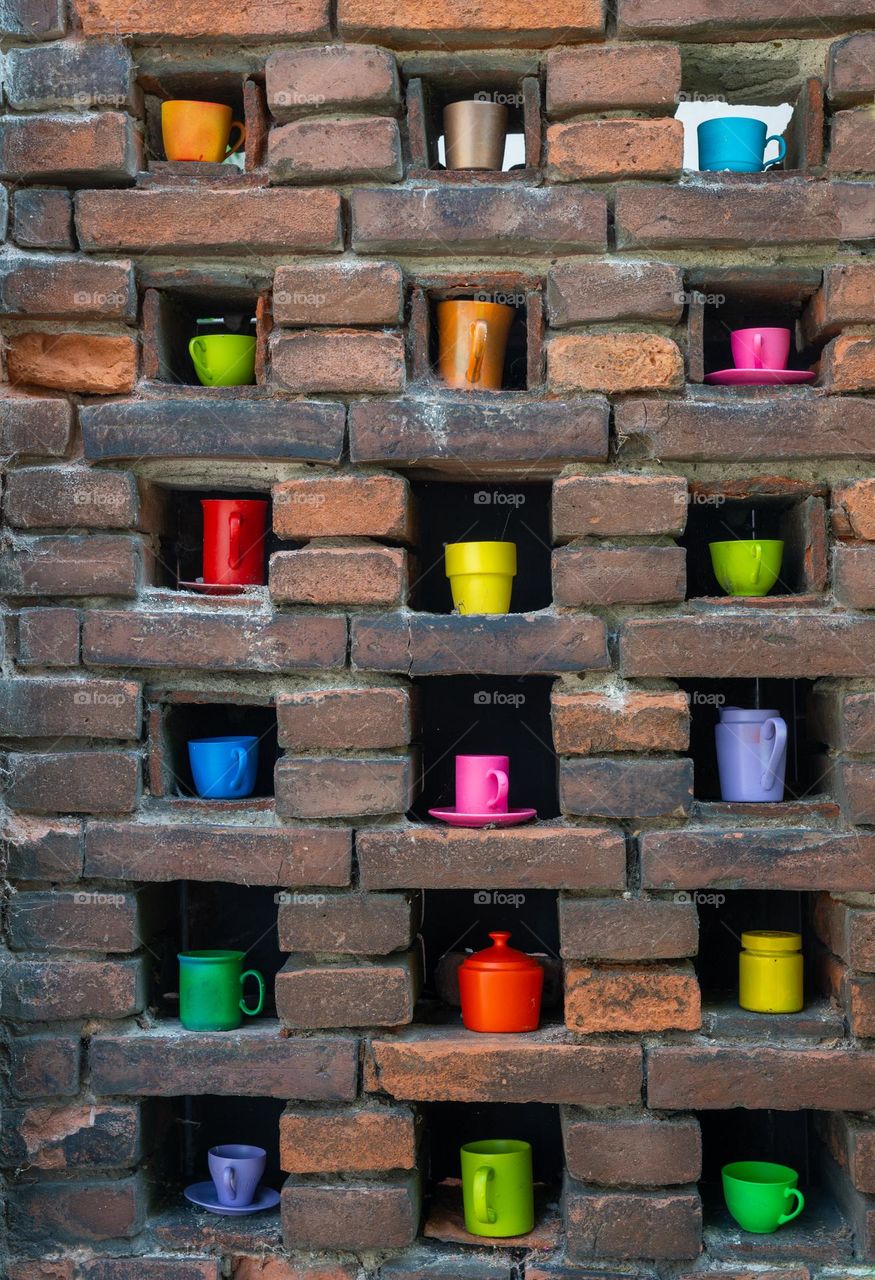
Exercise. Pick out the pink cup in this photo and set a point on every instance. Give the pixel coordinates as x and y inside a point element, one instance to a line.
<point>761,348</point>
<point>481,784</point>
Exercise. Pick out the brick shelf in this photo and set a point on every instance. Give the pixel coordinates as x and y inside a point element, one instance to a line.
<point>821,1234</point>
<point>819,1022</point>
<point>186,1229</point>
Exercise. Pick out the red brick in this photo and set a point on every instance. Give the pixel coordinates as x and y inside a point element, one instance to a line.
<point>853,575</point>
<point>370,506</point>
<point>90,708</point>
<point>75,149</point>
<point>90,363</point>
<point>78,1212</point>
<point>342,149</point>
<point>62,1269</point>
<point>451,23</point>
<point>338,1139</point>
<point>44,1066</point>
<point>748,19</point>
<point>322,787</point>
<point>37,849</point>
<point>34,19</point>
<point>846,297</point>
<point>43,219</point>
<point>614,363</point>
<point>852,142</point>
<point>276,1268</point>
<point>45,990</point>
<point>853,510</point>
<point>331,78</point>
<point>70,497</point>
<point>351,1216</point>
<point>583,292</point>
<point>848,364</point>
<point>848,931</point>
<point>626,788</point>
<point>46,287</point>
<point>48,637</point>
<point>589,723</point>
<point>624,929</point>
<point>631,998</point>
<point>72,1137</point>
<point>853,784</point>
<point>346,923</point>
<point>851,69</point>
<point>631,1147</point>
<point>851,1142</point>
<point>256,20</point>
<point>605,150</point>
<point>346,360</point>
<point>93,565</point>
<point>544,857</point>
<point>609,504</point>
<point>347,993</point>
<point>71,74</point>
<point>370,718</point>
<point>631,1224</point>
<point>587,575</point>
<point>286,857</point>
<point>338,293</point>
<point>136,1267</point>
<point>365,575</point>
<point>73,782</point>
<point>93,920</point>
<point>36,427</point>
<point>258,219</point>
<point>610,77</point>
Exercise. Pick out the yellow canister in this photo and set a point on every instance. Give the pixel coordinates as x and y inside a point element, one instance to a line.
<point>770,972</point>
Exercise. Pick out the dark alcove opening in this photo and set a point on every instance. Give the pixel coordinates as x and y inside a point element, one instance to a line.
<point>184,721</point>
<point>715,518</point>
<point>181,544</point>
<point>725,916</point>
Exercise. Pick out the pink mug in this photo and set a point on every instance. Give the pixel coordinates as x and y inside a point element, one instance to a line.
<point>761,348</point>
<point>481,784</point>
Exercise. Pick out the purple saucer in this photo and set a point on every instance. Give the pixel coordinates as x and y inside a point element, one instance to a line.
<point>203,1194</point>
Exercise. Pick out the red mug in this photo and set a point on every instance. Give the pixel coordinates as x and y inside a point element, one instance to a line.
<point>234,530</point>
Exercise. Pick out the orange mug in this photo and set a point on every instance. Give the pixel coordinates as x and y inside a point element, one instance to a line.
<point>472,340</point>
<point>199,130</point>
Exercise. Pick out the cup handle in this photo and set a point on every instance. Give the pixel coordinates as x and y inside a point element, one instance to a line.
<point>235,124</point>
<point>779,729</point>
<point>800,1205</point>
<point>235,553</point>
<point>252,973</point>
<point>482,1211</point>
<point>196,351</point>
<point>239,766</point>
<point>501,788</point>
<point>758,561</point>
<point>479,332</point>
<point>758,351</point>
<point>769,164</point>
<point>229,1177</point>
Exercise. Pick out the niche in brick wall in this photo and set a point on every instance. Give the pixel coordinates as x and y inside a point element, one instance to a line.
<point>213,305</point>
<point>483,513</point>
<point>243,93</point>
<point>177,718</point>
<point>180,559</point>
<point>723,917</point>
<point>203,1121</point>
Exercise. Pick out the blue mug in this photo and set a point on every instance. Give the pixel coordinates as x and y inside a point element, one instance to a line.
<point>737,143</point>
<point>224,768</point>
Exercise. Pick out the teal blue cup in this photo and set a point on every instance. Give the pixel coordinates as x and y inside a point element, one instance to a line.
<point>737,143</point>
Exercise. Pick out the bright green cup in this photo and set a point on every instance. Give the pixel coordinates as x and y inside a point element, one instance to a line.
<point>747,566</point>
<point>223,359</point>
<point>497,1187</point>
<point>759,1195</point>
<point>211,990</point>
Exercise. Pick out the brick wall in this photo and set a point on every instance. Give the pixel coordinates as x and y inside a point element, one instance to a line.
<point>611,462</point>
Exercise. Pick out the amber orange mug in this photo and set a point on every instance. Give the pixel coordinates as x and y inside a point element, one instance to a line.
<point>472,340</point>
<point>199,130</point>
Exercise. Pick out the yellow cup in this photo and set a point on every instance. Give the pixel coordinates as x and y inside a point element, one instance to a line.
<point>747,566</point>
<point>481,575</point>
<point>770,972</point>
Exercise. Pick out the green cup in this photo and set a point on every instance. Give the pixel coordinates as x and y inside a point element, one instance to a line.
<point>211,990</point>
<point>497,1187</point>
<point>759,1195</point>
<point>223,359</point>
<point>747,566</point>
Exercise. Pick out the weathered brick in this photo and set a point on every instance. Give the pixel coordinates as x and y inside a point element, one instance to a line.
<point>848,364</point>
<point>531,857</point>
<point>631,1147</point>
<point>48,637</point>
<point>371,718</point>
<point>347,993</point>
<point>848,931</point>
<point>852,141</point>
<point>92,565</point>
<point>323,787</point>
<point>37,849</point>
<point>593,77</point>
<point>587,723</point>
<point>346,923</point>
<point>852,1143</point>
<point>331,78</point>
<point>852,783</point>
<point>853,575</point>
<point>90,708</point>
<point>256,20</point>
<point>853,509</point>
<point>610,504</point>
<point>747,20</point>
<point>75,74</point>
<point>631,1224</point>
<point>78,1212</point>
<point>44,1066</point>
<point>631,998</point>
<point>847,297</point>
<point>614,363</point>
<point>362,575</point>
<point>78,150</point>
<point>583,292</point>
<point>366,1139</point>
<point>450,23</point>
<point>586,575</point>
<point>424,1262</point>
<point>627,929</point>
<point>43,990</point>
<point>136,1267</point>
<point>851,69</point>
<point>73,782</point>
<point>70,497</point>
<point>352,1216</point>
<point>260,219</point>
<point>478,220</point>
<point>254,1062</point>
<point>35,427</point>
<point>346,360</point>
<point>338,149</point>
<point>272,1267</point>
<point>90,363</point>
<point>606,150</point>
<point>42,219</point>
<point>288,857</point>
<point>33,19</point>
<point>57,1269</point>
<point>368,506</point>
<point>71,1137</point>
<point>59,921</point>
<point>611,788</point>
<point>338,292</point>
<point>32,286</point>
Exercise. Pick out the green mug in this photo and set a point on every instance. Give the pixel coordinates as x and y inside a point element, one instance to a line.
<point>211,990</point>
<point>759,1195</point>
<point>497,1187</point>
<point>747,566</point>
<point>223,359</point>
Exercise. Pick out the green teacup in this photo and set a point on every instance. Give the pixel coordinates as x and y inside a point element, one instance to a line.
<point>211,990</point>
<point>759,1195</point>
<point>497,1187</point>
<point>747,566</point>
<point>223,359</point>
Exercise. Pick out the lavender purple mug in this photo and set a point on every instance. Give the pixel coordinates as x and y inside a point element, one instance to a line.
<point>236,1169</point>
<point>751,754</point>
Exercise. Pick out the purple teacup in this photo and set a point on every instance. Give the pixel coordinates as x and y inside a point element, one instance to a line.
<point>236,1169</point>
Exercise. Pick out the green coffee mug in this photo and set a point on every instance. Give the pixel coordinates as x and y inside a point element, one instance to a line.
<point>747,566</point>
<point>211,990</point>
<point>497,1187</point>
<point>759,1195</point>
<point>223,359</point>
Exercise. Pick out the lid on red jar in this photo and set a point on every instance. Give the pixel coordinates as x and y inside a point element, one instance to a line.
<point>500,956</point>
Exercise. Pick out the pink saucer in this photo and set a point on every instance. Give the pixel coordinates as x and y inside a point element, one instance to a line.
<point>760,377</point>
<point>512,818</point>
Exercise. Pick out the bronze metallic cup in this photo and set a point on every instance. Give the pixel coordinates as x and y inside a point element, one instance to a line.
<point>474,134</point>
